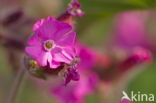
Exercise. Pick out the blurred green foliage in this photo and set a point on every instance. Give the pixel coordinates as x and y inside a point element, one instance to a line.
<point>144,82</point>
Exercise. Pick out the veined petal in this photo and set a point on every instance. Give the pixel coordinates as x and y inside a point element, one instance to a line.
<point>38,54</point>
<point>46,28</point>
<point>70,53</point>
<point>62,29</point>
<point>35,41</point>
<point>38,24</point>
<point>50,28</point>
<point>33,51</point>
<point>58,56</point>
<point>68,40</point>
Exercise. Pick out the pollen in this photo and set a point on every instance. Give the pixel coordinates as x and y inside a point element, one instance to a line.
<point>48,44</point>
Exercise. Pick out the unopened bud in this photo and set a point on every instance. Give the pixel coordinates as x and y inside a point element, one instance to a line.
<point>34,68</point>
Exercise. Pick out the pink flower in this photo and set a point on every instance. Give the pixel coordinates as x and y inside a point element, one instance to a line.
<point>125,101</point>
<point>87,57</point>
<point>71,74</point>
<point>74,9</point>
<point>76,91</point>
<point>138,56</point>
<point>130,29</point>
<point>52,43</point>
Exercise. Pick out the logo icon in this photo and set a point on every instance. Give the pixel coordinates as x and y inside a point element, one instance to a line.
<point>137,96</point>
<point>125,96</point>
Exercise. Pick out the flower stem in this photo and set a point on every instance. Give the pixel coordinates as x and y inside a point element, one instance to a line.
<point>16,85</point>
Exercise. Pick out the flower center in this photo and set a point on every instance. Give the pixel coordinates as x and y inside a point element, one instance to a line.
<point>48,44</point>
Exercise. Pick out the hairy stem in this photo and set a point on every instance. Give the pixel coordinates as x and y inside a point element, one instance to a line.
<point>16,86</point>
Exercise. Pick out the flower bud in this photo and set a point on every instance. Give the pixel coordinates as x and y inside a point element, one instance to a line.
<point>34,68</point>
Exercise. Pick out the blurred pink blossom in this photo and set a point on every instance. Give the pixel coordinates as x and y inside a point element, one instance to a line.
<point>130,29</point>
<point>125,101</point>
<point>74,9</point>
<point>75,92</point>
<point>137,57</point>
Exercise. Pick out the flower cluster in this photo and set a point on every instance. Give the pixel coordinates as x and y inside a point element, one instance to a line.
<point>53,49</point>
<point>53,45</point>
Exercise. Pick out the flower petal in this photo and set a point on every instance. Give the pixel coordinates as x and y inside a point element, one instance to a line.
<point>70,53</point>
<point>54,64</point>
<point>71,74</point>
<point>68,40</point>
<point>50,28</point>
<point>61,58</point>
<point>33,51</point>
<point>38,24</point>
<point>38,54</point>
<point>62,29</point>
<point>66,55</point>
<point>34,40</point>
<point>46,28</point>
<point>58,56</point>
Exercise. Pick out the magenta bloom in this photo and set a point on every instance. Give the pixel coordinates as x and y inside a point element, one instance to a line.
<point>75,92</point>
<point>125,101</point>
<point>87,57</point>
<point>138,56</point>
<point>130,29</point>
<point>74,9</point>
<point>71,74</point>
<point>52,43</point>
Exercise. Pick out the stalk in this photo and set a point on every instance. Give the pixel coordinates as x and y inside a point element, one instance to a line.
<point>16,85</point>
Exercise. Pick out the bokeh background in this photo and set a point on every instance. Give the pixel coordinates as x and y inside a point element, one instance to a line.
<point>96,29</point>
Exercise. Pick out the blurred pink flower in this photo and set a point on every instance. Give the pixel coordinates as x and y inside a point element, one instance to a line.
<point>131,40</point>
<point>74,9</point>
<point>130,29</point>
<point>75,92</point>
<point>52,43</point>
<point>72,71</point>
<point>87,57</point>
<point>125,101</point>
<point>137,57</point>
<point>71,74</point>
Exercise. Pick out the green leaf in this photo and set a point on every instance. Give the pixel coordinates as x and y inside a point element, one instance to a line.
<point>144,81</point>
<point>149,3</point>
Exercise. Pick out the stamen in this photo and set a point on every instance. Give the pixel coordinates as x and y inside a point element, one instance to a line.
<point>48,44</point>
